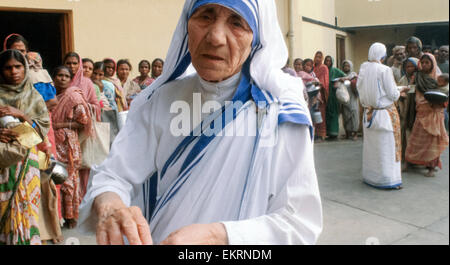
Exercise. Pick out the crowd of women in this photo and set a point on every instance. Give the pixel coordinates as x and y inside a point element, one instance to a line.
<point>394,86</point>
<point>61,108</point>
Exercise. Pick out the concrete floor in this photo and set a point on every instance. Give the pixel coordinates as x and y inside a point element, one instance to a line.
<point>357,214</point>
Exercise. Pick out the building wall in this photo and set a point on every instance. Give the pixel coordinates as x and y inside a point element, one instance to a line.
<point>116,28</point>
<point>143,30</point>
<point>363,39</point>
<point>310,37</point>
<point>354,13</point>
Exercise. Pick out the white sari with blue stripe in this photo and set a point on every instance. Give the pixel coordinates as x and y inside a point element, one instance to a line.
<point>255,174</point>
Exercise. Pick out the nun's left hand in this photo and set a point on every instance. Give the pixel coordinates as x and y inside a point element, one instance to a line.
<point>198,234</point>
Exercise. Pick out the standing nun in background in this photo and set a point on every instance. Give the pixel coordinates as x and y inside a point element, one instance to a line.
<point>382,137</point>
<point>214,187</point>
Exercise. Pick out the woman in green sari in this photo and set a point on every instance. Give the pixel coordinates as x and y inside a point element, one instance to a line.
<point>332,113</point>
<point>19,165</point>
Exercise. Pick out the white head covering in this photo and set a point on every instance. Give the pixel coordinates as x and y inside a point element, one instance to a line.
<point>377,52</point>
<point>269,56</point>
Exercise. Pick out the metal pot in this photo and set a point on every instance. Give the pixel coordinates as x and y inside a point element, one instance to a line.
<point>5,120</point>
<point>58,172</point>
<point>121,119</point>
<point>316,117</point>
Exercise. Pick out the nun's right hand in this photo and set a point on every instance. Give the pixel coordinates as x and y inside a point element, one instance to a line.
<point>116,220</point>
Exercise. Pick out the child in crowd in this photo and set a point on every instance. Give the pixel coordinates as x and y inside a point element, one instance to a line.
<point>443,87</point>
<point>443,83</point>
<point>106,88</point>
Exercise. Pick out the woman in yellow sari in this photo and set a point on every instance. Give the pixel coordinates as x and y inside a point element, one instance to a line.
<point>19,167</point>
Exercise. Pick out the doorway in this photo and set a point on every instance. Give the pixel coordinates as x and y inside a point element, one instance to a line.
<point>48,32</point>
<point>340,50</point>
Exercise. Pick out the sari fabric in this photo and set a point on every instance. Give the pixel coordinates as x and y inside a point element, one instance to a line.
<point>428,137</point>
<point>350,111</point>
<point>72,107</point>
<point>378,91</point>
<point>322,74</point>
<point>20,182</point>
<point>145,83</point>
<point>332,110</point>
<point>120,96</point>
<point>88,90</point>
<point>406,106</point>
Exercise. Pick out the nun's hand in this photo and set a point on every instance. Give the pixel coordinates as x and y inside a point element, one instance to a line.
<point>198,234</point>
<point>117,220</point>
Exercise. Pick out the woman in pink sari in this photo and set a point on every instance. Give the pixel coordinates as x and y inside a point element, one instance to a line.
<point>322,74</point>
<point>74,62</point>
<point>70,117</point>
<point>428,138</point>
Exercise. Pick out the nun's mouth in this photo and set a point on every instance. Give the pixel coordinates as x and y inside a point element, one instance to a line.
<point>213,57</point>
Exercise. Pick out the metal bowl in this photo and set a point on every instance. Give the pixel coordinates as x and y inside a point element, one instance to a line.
<point>5,120</point>
<point>121,119</point>
<point>436,97</point>
<point>58,172</point>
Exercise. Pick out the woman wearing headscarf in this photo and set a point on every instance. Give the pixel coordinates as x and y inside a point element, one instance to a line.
<point>19,165</point>
<point>406,104</point>
<point>428,137</point>
<point>110,71</point>
<point>144,80</point>
<point>332,111</point>
<point>350,111</point>
<point>414,47</point>
<point>130,88</point>
<point>323,74</point>
<point>237,189</point>
<point>157,68</point>
<point>74,62</point>
<point>70,117</point>
<point>382,140</point>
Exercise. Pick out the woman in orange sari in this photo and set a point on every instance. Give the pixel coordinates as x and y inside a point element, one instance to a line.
<point>322,73</point>
<point>428,138</point>
<point>70,117</point>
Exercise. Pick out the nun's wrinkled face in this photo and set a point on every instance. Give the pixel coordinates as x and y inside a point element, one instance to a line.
<point>219,42</point>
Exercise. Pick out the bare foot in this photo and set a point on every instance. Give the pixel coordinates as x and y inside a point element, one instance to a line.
<point>405,167</point>
<point>58,240</point>
<point>398,188</point>
<point>430,173</point>
<point>71,223</point>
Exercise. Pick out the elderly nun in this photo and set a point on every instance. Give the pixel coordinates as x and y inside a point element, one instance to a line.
<point>237,169</point>
<point>382,137</point>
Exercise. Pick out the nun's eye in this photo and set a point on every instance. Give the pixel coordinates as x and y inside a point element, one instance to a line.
<point>237,23</point>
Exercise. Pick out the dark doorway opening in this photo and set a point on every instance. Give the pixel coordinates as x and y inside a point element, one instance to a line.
<point>435,36</point>
<point>47,33</point>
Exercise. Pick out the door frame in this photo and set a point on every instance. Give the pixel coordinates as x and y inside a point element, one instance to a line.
<point>66,24</point>
<point>340,50</point>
